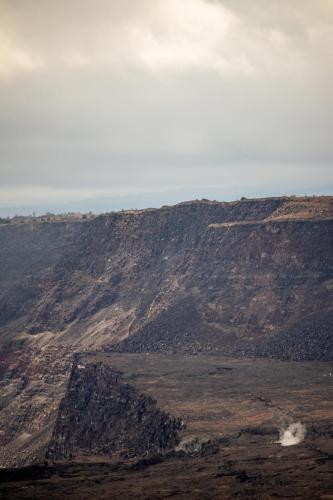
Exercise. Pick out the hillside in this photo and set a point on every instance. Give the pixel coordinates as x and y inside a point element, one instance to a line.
<point>240,278</point>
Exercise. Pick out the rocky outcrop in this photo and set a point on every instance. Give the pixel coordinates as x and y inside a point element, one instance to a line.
<point>101,415</point>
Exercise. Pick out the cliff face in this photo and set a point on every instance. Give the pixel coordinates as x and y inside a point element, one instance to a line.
<point>101,415</point>
<point>253,289</point>
<point>250,277</point>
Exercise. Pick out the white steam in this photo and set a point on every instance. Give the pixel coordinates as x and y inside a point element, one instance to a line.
<point>293,434</point>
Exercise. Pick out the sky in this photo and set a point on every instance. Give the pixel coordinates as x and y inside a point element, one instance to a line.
<point>110,104</point>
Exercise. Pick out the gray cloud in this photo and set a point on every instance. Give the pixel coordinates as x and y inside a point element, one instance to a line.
<point>105,98</point>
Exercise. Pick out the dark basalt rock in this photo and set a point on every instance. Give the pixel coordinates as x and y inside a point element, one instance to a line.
<point>246,278</point>
<point>100,415</point>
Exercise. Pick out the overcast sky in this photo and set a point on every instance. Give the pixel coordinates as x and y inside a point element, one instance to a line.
<point>179,98</point>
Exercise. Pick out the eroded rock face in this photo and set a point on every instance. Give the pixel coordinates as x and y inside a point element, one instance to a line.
<point>253,277</point>
<point>100,415</point>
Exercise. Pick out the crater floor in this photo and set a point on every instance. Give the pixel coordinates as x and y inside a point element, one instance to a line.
<point>233,409</point>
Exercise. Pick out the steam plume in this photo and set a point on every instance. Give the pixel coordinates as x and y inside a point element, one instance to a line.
<point>293,434</point>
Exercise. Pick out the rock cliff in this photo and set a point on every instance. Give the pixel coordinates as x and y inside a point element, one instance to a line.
<point>252,277</point>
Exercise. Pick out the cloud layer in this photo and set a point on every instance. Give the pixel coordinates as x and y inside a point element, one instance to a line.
<point>100,97</point>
